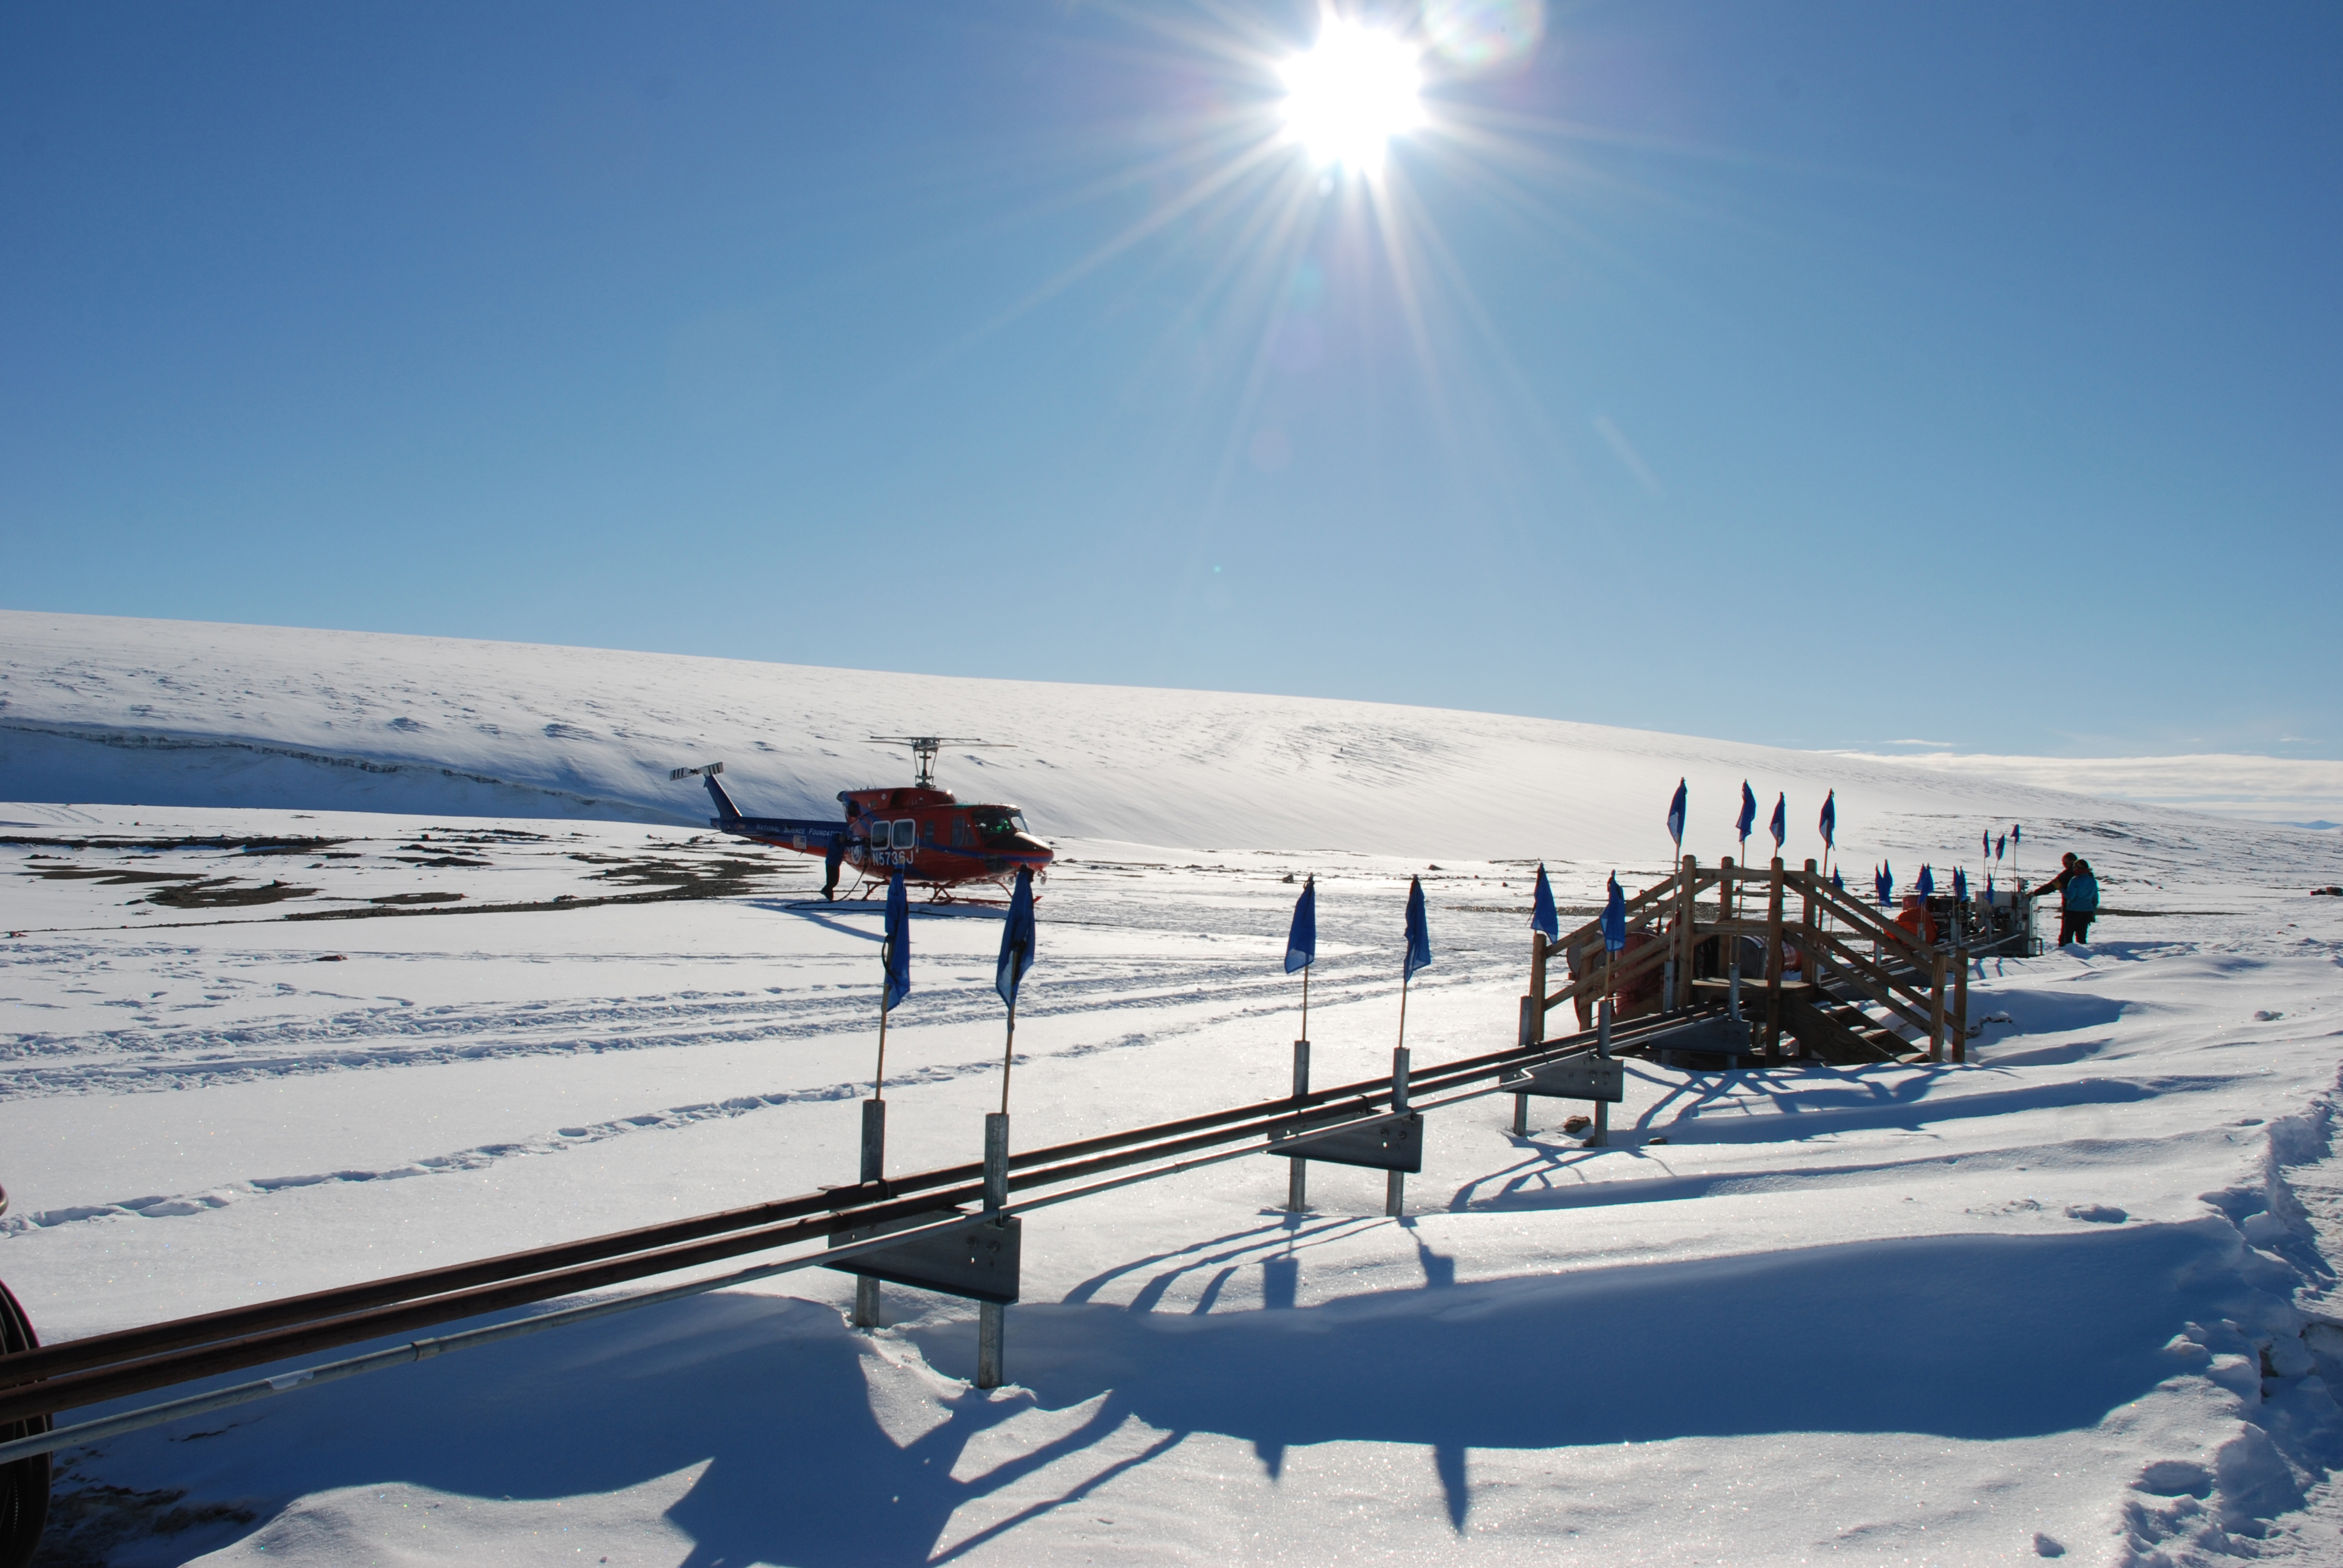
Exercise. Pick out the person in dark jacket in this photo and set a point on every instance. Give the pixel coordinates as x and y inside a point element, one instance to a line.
<point>2078,898</point>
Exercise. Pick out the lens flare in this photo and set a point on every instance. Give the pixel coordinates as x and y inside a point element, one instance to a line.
<point>1353,92</point>
<point>1476,35</point>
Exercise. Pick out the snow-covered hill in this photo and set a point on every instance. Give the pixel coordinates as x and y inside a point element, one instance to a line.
<point>174,713</point>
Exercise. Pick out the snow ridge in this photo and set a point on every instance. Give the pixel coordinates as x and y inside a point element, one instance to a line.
<point>187,714</point>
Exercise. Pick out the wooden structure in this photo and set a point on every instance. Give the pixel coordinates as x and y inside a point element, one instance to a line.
<point>1814,972</point>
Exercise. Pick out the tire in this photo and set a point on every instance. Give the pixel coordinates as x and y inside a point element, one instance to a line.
<point>23,1484</point>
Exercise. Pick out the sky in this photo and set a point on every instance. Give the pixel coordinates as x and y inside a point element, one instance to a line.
<point>1822,375</point>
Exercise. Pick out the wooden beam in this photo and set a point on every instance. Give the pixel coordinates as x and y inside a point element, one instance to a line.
<point>1724,914</point>
<point>1873,925</point>
<point>1936,1009</point>
<point>1809,955</point>
<point>1653,894</point>
<point>1757,927</point>
<point>1687,889</point>
<point>1961,1007</point>
<point>1774,962</point>
<point>1537,987</point>
<point>1590,984</point>
<point>1859,971</point>
<point>1808,1020</point>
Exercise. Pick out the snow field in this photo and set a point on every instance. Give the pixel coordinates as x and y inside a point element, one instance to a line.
<point>2050,1302</point>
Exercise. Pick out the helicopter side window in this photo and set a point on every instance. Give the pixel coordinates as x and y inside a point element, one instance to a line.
<point>906,832</point>
<point>877,835</point>
<point>961,838</point>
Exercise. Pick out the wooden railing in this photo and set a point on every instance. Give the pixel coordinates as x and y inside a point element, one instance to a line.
<point>1844,945</point>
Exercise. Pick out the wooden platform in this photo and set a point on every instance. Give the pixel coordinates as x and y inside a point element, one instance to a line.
<point>1869,985</point>
<point>1751,990</point>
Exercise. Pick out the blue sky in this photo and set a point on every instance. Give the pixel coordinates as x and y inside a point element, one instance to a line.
<point>1827,375</point>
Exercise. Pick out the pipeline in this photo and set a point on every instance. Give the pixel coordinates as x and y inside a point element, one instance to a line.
<point>41,1381</point>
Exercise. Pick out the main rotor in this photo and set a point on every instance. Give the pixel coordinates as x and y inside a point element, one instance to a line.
<point>924,748</point>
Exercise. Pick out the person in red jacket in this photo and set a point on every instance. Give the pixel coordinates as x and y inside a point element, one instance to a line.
<point>1916,920</point>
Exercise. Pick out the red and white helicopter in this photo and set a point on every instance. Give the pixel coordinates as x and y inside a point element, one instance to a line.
<point>921,830</point>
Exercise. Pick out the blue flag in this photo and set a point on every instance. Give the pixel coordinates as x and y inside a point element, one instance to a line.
<point>1542,914</point>
<point>1302,941</point>
<point>1614,917</point>
<point>1419,933</point>
<point>1960,885</point>
<point>1838,882</point>
<point>1780,826</point>
<point>2001,846</point>
<point>1016,939</point>
<point>1988,837</point>
<point>895,953</point>
<point>1927,885</point>
<point>1675,819</point>
<point>1829,823</point>
<point>1748,813</point>
<point>2017,832</point>
<point>1886,884</point>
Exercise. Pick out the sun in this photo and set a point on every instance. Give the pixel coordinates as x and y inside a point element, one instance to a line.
<point>1350,94</point>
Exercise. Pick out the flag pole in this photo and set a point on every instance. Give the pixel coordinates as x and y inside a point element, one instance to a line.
<point>1402,1010</point>
<point>1602,1038</point>
<point>1306,1001</point>
<point>1007,1055</point>
<point>879,1082</point>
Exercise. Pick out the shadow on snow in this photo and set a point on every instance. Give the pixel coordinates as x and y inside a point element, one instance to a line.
<point>1966,1337</point>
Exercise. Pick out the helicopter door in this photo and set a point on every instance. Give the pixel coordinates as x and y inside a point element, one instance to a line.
<point>906,833</point>
<point>878,839</point>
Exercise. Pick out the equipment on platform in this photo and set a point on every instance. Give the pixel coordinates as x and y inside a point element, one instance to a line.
<point>1998,924</point>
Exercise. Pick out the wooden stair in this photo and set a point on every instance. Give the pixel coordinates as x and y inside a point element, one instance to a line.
<point>1831,1027</point>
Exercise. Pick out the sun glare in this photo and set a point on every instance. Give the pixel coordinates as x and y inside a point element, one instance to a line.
<point>1353,91</point>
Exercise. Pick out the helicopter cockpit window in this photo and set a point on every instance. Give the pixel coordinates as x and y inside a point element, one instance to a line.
<point>906,833</point>
<point>996,825</point>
